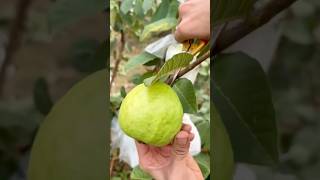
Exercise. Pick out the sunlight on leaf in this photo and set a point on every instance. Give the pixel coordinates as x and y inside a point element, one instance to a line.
<point>162,25</point>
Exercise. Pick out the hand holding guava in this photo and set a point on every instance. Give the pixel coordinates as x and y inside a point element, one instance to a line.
<point>171,162</point>
<point>195,20</point>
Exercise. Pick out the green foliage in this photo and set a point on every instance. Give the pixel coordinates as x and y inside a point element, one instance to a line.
<point>162,11</point>
<point>18,124</point>
<point>173,9</point>
<point>41,96</point>
<point>157,27</point>
<point>71,142</point>
<point>203,161</point>
<point>176,62</point>
<point>138,174</point>
<point>204,131</point>
<point>185,91</point>
<point>147,5</point>
<point>140,59</point>
<point>88,55</point>
<point>65,12</point>
<point>143,18</point>
<point>123,92</point>
<point>243,98</point>
<point>138,78</point>
<point>126,6</point>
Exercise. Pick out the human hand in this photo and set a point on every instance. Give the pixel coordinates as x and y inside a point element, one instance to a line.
<point>195,20</point>
<point>171,162</point>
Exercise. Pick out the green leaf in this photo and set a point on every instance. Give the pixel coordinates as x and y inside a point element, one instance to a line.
<point>66,12</point>
<point>159,26</point>
<point>203,161</point>
<point>123,92</point>
<point>72,140</point>
<point>148,81</point>
<point>225,10</point>
<point>89,55</point>
<point>222,155</point>
<point>140,59</point>
<point>138,9</point>
<point>204,131</point>
<point>138,174</point>
<point>153,62</point>
<point>173,9</point>
<point>243,98</point>
<point>138,78</point>
<point>185,91</point>
<point>147,5</point>
<point>162,11</point>
<point>126,5</point>
<point>116,178</point>
<point>176,62</point>
<point>41,96</point>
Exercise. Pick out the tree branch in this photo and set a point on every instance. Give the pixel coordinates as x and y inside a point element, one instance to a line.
<point>118,58</point>
<point>194,64</point>
<point>258,18</point>
<point>15,37</point>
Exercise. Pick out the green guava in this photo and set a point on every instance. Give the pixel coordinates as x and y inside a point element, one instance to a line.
<point>152,115</point>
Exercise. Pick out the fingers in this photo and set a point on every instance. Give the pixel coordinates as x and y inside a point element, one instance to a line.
<point>194,21</point>
<point>181,142</point>
<point>191,137</point>
<point>186,127</point>
<point>141,148</point>
<point>181,33</point>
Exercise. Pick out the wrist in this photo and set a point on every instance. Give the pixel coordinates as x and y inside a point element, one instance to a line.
<point>185,169</point>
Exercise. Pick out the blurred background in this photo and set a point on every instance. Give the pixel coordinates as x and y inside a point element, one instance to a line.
<point>289,50</point>
<point>46,46</point>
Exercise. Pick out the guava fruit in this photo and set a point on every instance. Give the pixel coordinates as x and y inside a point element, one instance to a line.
<point>152,114</point>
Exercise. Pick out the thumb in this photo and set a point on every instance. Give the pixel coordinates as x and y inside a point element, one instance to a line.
<point>181,145</point>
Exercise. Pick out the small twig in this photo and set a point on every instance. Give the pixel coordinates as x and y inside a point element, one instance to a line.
<point>114,158</point>
<point>118,58</point>
<point>194,64</point>
<point>174,77</point>
<point>180,73</point>
<point>15,38</point>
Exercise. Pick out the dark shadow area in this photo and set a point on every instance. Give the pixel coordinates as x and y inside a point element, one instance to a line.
<point>44,50</point>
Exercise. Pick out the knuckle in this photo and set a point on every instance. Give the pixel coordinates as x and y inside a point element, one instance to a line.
<point>183,8</point>
<point>180,152</point>
<point>181,29</point>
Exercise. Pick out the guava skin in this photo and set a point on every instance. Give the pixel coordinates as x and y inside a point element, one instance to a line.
<point>152,115</point>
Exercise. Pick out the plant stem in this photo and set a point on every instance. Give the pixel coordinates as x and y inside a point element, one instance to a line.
<point>15,38</point>
<point>112,163</point>
<point>118,58</point>
<point>195,64</point>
